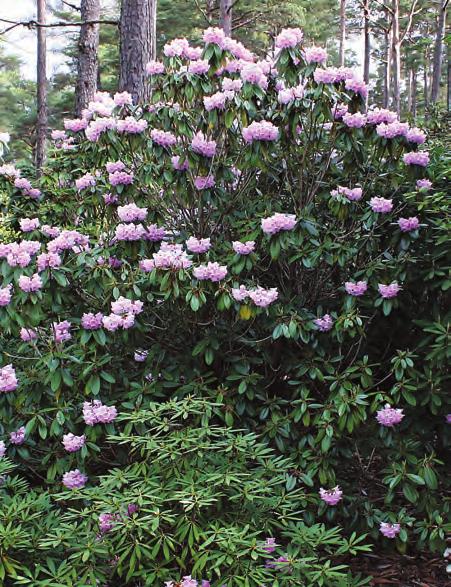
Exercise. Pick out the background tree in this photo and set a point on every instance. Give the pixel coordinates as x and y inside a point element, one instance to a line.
<point>88,45</point>
<point>41,87</point>
<point>438,50</point>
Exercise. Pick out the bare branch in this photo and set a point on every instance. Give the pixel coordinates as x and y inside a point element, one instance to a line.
<point>32,24</point>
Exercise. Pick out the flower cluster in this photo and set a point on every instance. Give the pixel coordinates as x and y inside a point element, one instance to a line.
<point>331,496</point>
<point>278,222</point>
<point>8,379</point>
<point>260,131</point>
<point>170,256</point>
<point>95,412</point>
<point>212,271</point>
<point>389,416</point>
<point>74,479</point>
<point>73,443</point>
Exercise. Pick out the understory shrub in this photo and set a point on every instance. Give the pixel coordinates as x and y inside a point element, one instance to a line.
<point>224,332</point>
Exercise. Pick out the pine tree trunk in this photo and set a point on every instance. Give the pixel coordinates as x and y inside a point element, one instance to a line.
<point>409,89</point>
<point>41,81</point>
<point>425,79</point>
<point>387,66</point>
<point>367,40</point>
<point>414,93</point>
<point>88,46</point>
<point>225,22</point>
<point>438,52</point>
<point>396,56</point>
<point>138,46</point>
<point>342,32</point>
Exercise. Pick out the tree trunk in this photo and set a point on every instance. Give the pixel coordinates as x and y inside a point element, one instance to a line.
<point>225,22</point>
<point>138,46</point>
<point>414,93</point>
<point>425,79</point>
<point>88,46</point>
<point>342,32</point>
<point>396,57</point>
<point>438,52</point>
<point>387,66</point>
<point>449,79</point>
<point>367,40</point>
<point>41,82</point>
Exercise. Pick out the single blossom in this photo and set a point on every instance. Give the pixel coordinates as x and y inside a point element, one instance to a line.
<point>95,412</point>
<point>2,449</point>
<point>29,224</point>
<point>61,331</point>
<point>408,224</point>
<point>356,288</point>
<point>389,416</point>
<point>28,334</point>
<point>389,291</point>
<point>263,297</point>
<point>278,222</point>
<point>424,184</point>
<point>90,321</point>
<point>331,496</point>
<point>420,158</point>
<point>289,38</point>
<point>8,379</point>
<point>5,295</point>
<point>18,436</point>
<point>73,443</point>
<point>325,323</point>
<point>260,131</point>
<point>140,355</point>
<point>381,205</point>
<point>30,284</point>
<point>243,248</point>
<point>198,245</point>
<point>74,479</point>
<point>212,271</point>
<point>389,530</point>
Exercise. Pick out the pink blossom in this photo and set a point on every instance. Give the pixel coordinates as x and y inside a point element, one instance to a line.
<point>113,166</point>
<point>263,297</point>
<point>196,245</point>
<point>215,102</point>
<point>389,530</point>
<point>125,306</point>
<point>212,271</point>
<point>29,224</point>
<point>193,53</point>
<point>381,205</point>
<point>325,323</point>
<point>8,379</point>
<point>131,126</point>
<point>112,322</point>
<point>74,479</point>
<point>408,224</point>
<point>140,355</point>
<point>240,293</point>
<point>392,129</point>
<point>175,160</point>
<point>356,120</point>
<point>331,496</point>
<point>30,284</point>
<point>201,145</point>
<point>243,248</point>
<point>231,85</point>
<point>46,260</point>
<point>416,135</point>
<point>85,181</point>
<point>28,334</point>
<point>22,184</point>
<point>253,74</point>
<point>356,289</point>
<point>278,222</point>
<point>17,256</point>
<point>18,436</point>
<point>67,240</point>
<point>5,295</point>
<point>61,331</point>
<point>163,138</point>
<point>90,321</point>
<point>106,522</point>
<point>388,416</point>
<point>214,36</point>
<point>129,232</point>
<point>289,38</point>
<point>358,86</point>
<point>199,67</point>
<point>352,194</point>
<point>110,199</point>
<point>95,412</point>
<point>170,256</point>
<point>154,68</point>
<point>270,545</point>
<point>75,125</point>
<point>424,184</point>
<point>175,48</point>
<point>389,291</point>
<point>154,233</point>
<point>73,443</point>
<point>131,213</point>
<point>50,231</point>
<point>448,418</point>
<point>123,99</point>
<point>10,171</point>
<point>325,76</point>
<point>378,115</point>
<point>260,131</point>
<point>420,158</point>
<point>2,449</point>
<point>315,55</point>
<point>101,125</point>
<point>203,183</point>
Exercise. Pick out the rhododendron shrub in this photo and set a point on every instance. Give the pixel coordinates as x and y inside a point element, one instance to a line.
<point>255,236</point>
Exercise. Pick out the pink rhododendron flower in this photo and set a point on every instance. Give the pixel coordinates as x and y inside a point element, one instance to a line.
<point>263,297</point>
<point>131,213</point>
<point>420,158</point>
<point>231,85</point>
<point>175,48</point>
<point>289,38</point>
<point>392,129</point>
<point>352,194</point>
<point>389,416</point>
<point>125,306</point>
<point>416,135</point>
<point>199,67</point>
<point>270,545</point>
<point>356,120</point>
<point>110,199</point>
<point>424,184</point>
<point>358,86</point>
<point>106,522</point>
<point>260,131</point>
<point>200,144</point>
<point>73,443</point>
<point>5,295</point>
<point>48,260</point>
<point>95,412</point>
<point>74,479</point>
<point>214,35</point>
<point>113,166</point>
<point>86,181</point>
<point>331,496</point>
<point>240,293</point>
<point>381,205</point>
<point>67,240</point>
<point>448,418</point>
<point>175,160</point>
<point>29,224</point>
<point>28,334</point>
<point>198,245</point>
<point>22,184</point>
<point>379,115</point>
<point>75,125</point>
<point>254,74</point>
<point>92,321</point>
<point>215,102</point>
<point>130,232</point>
<point>278,222</point>
<point>325,323</point>
<point>10,171</point>
<point>243,248</point>
<point>2,449</point>
<point>163,138</point>
<point>203,183</point>
<point>325,76</point>
<point>18,436</point>
<point>356,289</point>
<point>154,68</point>
<point>123,99</point>
<point>30,284</point>
<point>389,530</point>
<point>170,256</point>
<point>131,126</point>
<point>154,233</point>
<point>212,271</point>
<point>120,178</point>
<point>61,331</point>
<point>315,55</point>
<point>389,291</point>
<point>8,379</point>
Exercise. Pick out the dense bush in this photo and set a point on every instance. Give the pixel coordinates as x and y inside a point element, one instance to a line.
<point>246,368</point>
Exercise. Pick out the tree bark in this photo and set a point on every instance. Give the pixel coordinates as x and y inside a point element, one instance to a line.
<point>341,52</point>
<point>225,22</point>
<point>414,93</point>
<point>396,57</point>
<point>425,79</point>
<point>438,52</point>
<point>41,83</point>
<point>138,46</point>
<point>387,65</point>
<point>88,46</point>
<point>367,40</point>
